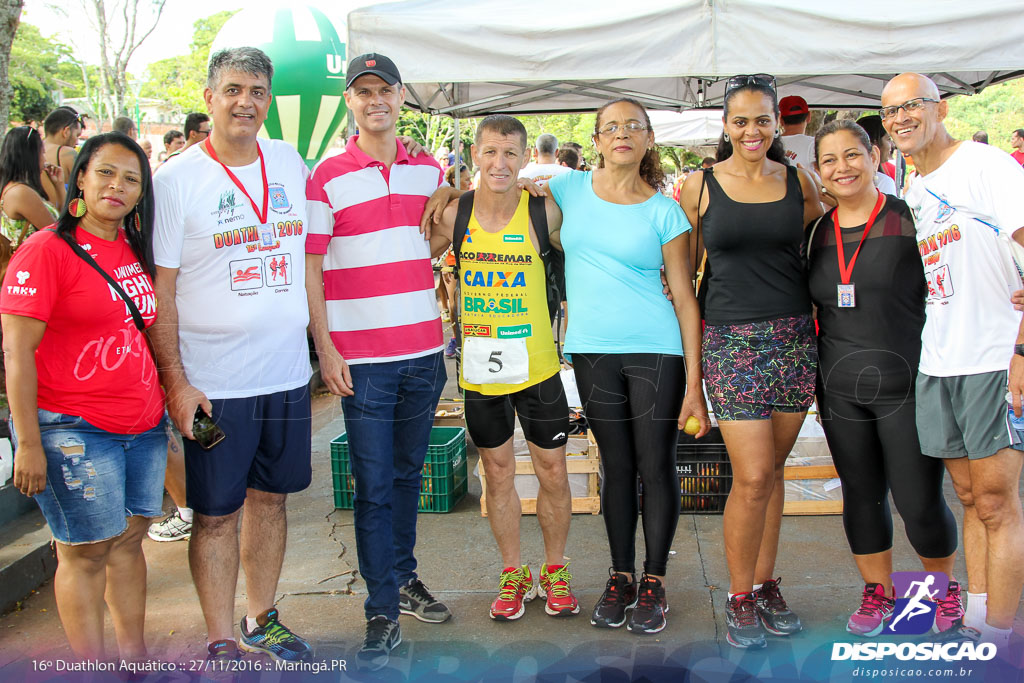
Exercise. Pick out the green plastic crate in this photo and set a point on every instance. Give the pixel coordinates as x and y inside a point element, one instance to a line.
<point>444,471</point>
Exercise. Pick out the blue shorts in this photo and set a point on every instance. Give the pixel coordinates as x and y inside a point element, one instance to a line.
<point>95,479</point>
<point>267,447</point>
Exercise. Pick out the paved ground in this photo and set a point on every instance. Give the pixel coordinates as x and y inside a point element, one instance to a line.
<point>321,598</point>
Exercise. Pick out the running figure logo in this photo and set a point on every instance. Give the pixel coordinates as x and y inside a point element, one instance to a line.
<point>914,612</point>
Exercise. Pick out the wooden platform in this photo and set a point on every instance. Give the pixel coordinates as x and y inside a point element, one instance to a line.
<point>811,507</point>
<point>589,465</point>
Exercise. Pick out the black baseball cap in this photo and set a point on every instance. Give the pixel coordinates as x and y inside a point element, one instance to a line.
<point>372,63</point>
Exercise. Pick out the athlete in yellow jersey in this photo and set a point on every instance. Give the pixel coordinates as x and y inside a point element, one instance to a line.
<point>510,366</point>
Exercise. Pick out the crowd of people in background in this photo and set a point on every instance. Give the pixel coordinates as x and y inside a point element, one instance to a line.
<point>820,277</point>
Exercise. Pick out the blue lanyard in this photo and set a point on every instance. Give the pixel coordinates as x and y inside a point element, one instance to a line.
<point>945,203</point>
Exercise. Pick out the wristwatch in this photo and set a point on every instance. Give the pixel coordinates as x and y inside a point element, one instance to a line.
<point>1018,349</point>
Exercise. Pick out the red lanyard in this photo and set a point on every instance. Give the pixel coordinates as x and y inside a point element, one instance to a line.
<point>845,272</point>
<point>261,215</point>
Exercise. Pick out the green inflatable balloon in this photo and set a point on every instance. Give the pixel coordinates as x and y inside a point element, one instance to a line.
<point>309,73</point>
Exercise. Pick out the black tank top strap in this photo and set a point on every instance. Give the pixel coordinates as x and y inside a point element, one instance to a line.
<point>714,187</point>
<point>793,182</point>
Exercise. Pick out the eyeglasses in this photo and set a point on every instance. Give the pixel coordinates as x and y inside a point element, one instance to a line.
<point>631,128</point>
<point>204,132</point>
<point>910,106</point>
<point>743,80</point>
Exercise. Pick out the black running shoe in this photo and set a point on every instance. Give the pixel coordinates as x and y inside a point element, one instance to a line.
<point>776,616</point>
<point>649,614</point>
<point>744,625</point>
<point>957,633</point>
<point>619,595</point>
<point>382,636</point>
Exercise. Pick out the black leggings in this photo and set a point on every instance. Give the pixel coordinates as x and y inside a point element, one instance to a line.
<point>632,403</point>
<point>875,447</point>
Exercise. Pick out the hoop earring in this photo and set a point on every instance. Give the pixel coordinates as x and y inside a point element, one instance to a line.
<point>76,207</point>
<point>778,133</point>
<point>726,136</point>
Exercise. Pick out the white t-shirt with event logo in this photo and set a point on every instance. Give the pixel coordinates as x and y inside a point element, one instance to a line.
<point>542,173</point>
<point>971,325</point>
<point>799,150</point>
<point>241,294</point>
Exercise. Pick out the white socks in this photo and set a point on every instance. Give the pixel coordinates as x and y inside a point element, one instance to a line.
<point>1000,637</point>
<point>185,514</point>
<point>251,624</point>
<point>974,613</point>
<point>756,588</point>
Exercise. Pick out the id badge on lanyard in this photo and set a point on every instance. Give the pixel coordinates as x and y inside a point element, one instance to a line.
<point>846,293</point>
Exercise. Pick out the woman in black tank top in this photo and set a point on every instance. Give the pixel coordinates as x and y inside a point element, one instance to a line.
<point>759,351</point>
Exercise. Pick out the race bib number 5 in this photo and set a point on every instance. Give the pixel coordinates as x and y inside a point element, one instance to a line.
<point>495,361</point>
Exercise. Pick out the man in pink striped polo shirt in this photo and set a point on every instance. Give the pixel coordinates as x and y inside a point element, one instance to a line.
<point>377,331</point>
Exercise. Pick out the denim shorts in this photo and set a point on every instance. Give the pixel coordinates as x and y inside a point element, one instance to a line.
<point>95,479</point>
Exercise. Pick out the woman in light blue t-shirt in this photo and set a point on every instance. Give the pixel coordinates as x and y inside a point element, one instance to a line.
<point>627,345</point>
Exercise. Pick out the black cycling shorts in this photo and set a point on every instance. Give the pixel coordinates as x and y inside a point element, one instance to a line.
<point>542,409</point>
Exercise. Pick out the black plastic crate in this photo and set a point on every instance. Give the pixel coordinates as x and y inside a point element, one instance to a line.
<point>705,473</point>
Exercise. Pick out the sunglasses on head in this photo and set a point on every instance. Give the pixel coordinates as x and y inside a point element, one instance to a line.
<point>744,80</point>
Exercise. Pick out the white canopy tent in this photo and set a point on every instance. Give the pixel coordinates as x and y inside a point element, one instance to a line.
<point>533,57</point>
<point>693,128</point>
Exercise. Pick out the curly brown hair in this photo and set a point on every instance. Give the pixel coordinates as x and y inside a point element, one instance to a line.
<point>650,166</point>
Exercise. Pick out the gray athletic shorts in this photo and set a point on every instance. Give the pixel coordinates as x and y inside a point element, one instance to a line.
<point>965,415</point>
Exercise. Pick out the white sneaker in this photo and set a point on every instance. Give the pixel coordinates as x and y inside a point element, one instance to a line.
<point>173,528</point>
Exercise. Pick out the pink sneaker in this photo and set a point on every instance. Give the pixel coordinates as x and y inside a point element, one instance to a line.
<point>875,608</point>
<point>950,609</point>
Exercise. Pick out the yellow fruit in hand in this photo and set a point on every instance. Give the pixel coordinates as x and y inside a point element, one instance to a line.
<point>692,425</point>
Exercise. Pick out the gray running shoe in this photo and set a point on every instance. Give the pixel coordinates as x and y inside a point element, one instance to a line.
<point>172,528</point>
<point>382,636</point>
<point>957,633</point>
<point>744,626</point>
<point>415,600</point>
<point>776,616</point>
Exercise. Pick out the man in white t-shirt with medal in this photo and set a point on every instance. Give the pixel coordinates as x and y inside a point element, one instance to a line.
<point>966,206</point>
<point>230,341</point>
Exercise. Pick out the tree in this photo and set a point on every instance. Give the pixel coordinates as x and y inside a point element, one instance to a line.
<point>10,16</point>
<point>181,80</point>
<point>121,27</point>
<point>998,109</point>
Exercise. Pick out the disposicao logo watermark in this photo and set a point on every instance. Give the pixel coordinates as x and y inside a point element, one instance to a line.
<point>914,614</point>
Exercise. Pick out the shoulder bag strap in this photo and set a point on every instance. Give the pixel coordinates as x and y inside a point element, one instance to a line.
<point>461,225</point>
<point>85,256</point>
<point>539,218</point>
<point>699,236</point>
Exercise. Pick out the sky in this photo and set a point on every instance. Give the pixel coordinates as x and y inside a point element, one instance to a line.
<point>173,33</point>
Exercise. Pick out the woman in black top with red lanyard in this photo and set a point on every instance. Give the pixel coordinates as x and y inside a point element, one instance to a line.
<point>868,284</point>
<point>759,352</point>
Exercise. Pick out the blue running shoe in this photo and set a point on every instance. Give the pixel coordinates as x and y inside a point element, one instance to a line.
<point>449,351</point>
<point>273,638</point>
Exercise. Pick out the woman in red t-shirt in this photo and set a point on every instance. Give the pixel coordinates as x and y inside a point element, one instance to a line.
<point>86,403</point>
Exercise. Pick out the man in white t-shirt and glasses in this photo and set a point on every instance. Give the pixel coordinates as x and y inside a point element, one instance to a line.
<point>230,340</point>
<point>966,205</point>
